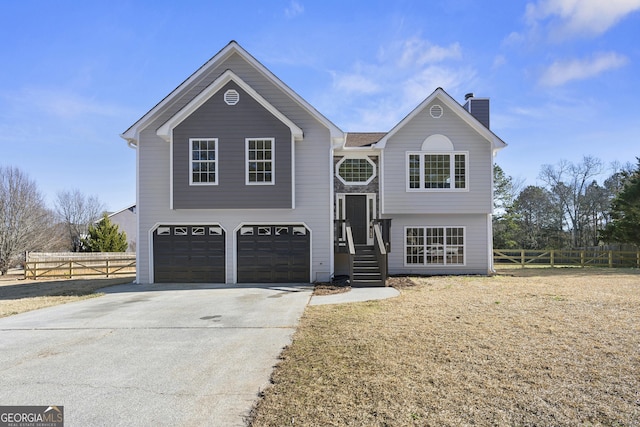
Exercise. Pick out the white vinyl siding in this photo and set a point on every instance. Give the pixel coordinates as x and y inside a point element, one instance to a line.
<point>473,241</point>
<point>203,161</point>
<point>399,172</point>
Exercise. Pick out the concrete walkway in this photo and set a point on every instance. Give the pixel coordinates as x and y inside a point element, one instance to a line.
<point>356,295</point>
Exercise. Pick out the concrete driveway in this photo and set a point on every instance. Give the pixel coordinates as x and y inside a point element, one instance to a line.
<point>166,355</point>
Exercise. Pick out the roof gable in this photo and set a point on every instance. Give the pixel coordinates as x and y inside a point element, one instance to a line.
<point>446,99</point>
<point>132,134</point>
<point>164,131</point>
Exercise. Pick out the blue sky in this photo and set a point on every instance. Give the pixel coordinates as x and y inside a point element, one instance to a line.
<point>562,75</point>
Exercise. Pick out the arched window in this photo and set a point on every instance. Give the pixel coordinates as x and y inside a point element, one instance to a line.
<point>437,166</point>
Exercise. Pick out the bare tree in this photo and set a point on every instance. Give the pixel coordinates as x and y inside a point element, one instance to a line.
<point>77,211</point>
<point>25,222</point>
<point>569,182</point>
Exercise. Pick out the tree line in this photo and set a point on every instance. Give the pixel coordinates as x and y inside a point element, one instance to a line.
<point>571,209</point>
<point>76,223</point>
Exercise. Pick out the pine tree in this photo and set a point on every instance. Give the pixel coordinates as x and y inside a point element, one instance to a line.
<point>105,236</point>
<point>625,213</point>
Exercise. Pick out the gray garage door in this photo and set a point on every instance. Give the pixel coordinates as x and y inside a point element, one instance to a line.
<point>189,253</point>
<point>273,253</point>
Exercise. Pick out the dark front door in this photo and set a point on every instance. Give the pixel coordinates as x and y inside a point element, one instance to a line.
<point>356,213</point>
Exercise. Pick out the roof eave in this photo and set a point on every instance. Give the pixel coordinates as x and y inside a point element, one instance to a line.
<point>166,129</point>
<point>496,143</point>
<point>132,133</point>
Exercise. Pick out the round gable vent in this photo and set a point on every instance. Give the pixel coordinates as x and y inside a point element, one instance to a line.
<point>436,111</point>
<point>231,97</point>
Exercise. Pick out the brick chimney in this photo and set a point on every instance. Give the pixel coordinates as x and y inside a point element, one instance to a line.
<point>478,107</point>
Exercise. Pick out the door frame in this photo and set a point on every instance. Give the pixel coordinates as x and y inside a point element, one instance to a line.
<point>371,210</point>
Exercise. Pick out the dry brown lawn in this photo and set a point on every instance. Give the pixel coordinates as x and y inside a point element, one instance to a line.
<point>532,347</point>
<point>18,295</point>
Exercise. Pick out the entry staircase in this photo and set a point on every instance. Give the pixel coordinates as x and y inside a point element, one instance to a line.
<point>368,264</point>
<point>366,269</point>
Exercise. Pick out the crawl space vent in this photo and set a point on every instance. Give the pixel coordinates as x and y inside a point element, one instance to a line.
<point>436,111</point>
<point>231,97</point>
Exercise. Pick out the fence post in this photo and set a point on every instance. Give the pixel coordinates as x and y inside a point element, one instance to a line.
<point>522,258</point>
<point>581,258</point>
<point>610,259</point>
<point>107,268</point>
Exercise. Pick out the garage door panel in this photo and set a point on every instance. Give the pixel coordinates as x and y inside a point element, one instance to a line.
<point>268,253</point>
<point>189,254</point>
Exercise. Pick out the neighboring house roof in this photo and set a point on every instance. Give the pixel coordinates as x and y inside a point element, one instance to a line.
<point>362,139</point>
<point>168,103</point>
<point>445,98</point>
<point>131,208</point>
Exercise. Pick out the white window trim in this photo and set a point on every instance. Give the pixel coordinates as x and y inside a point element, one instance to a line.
<point>345,182</point>
<point>215,162</point>
<point>273,161</point>
<point>432,265</point>
<point>452,166</point>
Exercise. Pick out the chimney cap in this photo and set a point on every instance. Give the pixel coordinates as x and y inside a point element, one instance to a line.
<point>469,95</point>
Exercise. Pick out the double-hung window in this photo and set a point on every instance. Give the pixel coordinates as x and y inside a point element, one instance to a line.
<point>203,161</point>
<point>260,157</point>
<point>426,246</point>
<point>437,171</point>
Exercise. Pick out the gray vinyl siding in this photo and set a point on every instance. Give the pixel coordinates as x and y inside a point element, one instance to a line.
<point>312,180</point>
<point>477,198</point>
<point>231,125</point>
<point>476,238</point>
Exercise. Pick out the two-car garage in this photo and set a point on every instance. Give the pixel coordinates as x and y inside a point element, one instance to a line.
<point>264,253</point>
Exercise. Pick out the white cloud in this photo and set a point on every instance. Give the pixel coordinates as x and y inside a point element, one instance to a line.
<point>579,17</point>
<point>498,62</point>
<point>59,103</point>
<point>561,72</point>
<point>382,91</point>
<point>294,9</point>
<point>420,85</point>
<point>416,51</point>
<point>355,83</point>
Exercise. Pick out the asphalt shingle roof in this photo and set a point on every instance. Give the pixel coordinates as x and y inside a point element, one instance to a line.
<point>363,139</point>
